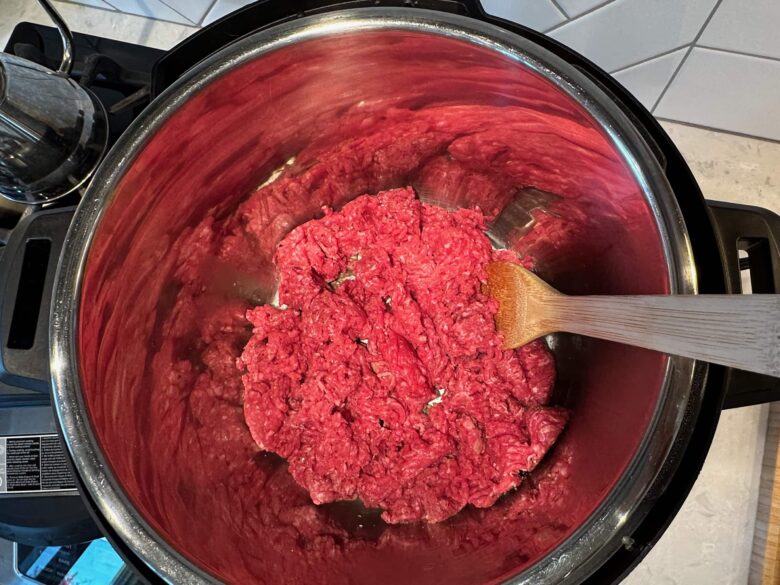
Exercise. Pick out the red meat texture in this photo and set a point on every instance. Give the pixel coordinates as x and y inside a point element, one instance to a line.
<point>381,376</point>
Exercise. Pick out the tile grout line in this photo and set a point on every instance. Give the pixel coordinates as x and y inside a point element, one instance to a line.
<point>107,8</point>
<point>188,24</point>
<point>671,79</point>
<point>575,18</point>
<point>177,12</point>
<point>718,130</point>
<point>111,9</point>
<point>685,57</point>
<point>743,53</point>
<point>648,59</point>
<point>560,9</point>
<point>208,11</point>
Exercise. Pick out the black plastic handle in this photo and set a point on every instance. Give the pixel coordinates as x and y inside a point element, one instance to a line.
<point>755,231</point>
<point>27,269</point>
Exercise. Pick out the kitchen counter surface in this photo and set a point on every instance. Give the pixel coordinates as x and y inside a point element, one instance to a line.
<point>710,540</point>
<point>709,543</point>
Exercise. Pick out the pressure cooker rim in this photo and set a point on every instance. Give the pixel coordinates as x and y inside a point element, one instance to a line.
<point>594,541</point>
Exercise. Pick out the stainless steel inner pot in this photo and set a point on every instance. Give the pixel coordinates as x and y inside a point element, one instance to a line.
<point>223,130</point>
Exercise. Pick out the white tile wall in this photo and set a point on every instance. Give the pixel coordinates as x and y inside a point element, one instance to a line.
<point>645,44</point>
<point>192,10</point>
<point>647,80</point>
<point>536,14</point>
<point>106,23</point>
<point>149,8</point>
<point>93,3</point>
<point>748,26</point>
<point>627,31</point>
<point>728,91</point>
<point>577,7</point>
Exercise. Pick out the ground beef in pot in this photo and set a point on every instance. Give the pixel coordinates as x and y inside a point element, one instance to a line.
<point>380,377</point>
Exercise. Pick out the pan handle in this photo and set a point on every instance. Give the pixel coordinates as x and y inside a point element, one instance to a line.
<point>756,232</point>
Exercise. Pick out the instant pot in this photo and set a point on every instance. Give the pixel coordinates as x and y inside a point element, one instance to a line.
<point>268,90</point>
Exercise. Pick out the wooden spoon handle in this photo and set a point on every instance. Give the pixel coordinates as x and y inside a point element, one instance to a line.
<point>740,331</point>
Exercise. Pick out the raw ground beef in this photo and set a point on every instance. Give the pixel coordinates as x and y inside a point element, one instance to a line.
<point>382,378</point>
<point>195,472</point>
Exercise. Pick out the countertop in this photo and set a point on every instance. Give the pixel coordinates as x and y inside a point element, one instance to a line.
<point>709,542</point>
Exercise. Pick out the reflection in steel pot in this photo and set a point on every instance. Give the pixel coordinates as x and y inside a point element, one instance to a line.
<point>53,132</point>
<point>469,115</point>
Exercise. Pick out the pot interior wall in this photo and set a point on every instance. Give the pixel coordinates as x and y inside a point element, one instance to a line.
<point>466,126</point>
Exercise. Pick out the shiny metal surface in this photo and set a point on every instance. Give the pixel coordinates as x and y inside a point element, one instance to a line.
<point>53,132</point>
<point>65,35</point>
<point>628,403</point>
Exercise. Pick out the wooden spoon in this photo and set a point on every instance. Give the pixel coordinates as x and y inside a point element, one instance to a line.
<point>739,331</point>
